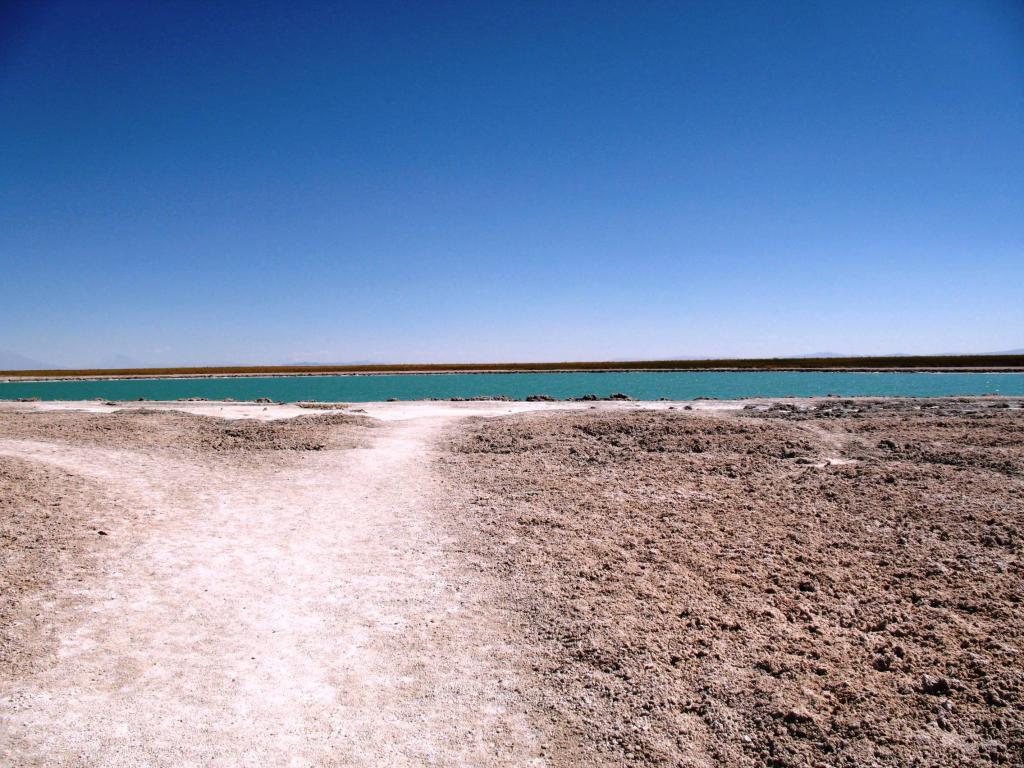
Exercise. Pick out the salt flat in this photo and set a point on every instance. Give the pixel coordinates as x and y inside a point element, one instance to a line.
<point>507,583</point>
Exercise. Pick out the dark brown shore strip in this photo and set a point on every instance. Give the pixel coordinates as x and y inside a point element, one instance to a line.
<point>932,364</point>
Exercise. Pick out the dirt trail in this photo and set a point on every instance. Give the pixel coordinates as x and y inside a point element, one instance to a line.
<point>299,613</point>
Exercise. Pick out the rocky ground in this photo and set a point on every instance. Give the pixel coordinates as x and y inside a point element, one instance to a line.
<point>787,583</point>
<point>836,583</point>
<point>144,429</point>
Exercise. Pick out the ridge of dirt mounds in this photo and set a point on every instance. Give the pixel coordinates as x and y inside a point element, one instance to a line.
<point>146,428</point>
<point>860,408</point>
<point>838,585</point>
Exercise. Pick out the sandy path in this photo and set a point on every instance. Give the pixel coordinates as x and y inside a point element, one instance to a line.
<point>309,617</point>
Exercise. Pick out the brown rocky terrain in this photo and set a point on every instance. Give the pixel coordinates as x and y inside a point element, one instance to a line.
<point>832,584</point>
<point>139,428</point>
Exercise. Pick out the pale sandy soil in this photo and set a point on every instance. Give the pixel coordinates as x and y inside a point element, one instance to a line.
<point>389,411</point>
<point>511,584</point>
<point>300,610</point>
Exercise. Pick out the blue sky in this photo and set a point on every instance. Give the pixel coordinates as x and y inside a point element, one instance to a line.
<point>280,182</point>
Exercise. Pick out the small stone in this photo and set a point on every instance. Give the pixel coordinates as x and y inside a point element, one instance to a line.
<point>934,686</point>
<point>798,716</point>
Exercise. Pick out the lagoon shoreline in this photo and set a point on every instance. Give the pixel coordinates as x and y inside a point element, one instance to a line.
<point>13,378</point>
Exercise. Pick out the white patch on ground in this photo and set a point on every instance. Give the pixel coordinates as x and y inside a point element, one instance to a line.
<point>386,411</point>
<point>305,613</point>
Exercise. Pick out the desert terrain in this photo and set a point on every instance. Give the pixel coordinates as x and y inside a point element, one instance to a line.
<point>762,583</point>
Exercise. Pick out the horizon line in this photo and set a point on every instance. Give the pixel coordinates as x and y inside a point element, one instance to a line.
<point>859,362</point>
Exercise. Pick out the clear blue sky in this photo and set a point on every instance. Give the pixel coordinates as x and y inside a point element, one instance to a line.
<point>277,182</point>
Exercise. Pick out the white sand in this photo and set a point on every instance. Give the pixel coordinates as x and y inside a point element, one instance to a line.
<point>304,612</point>
<point>386,411</point>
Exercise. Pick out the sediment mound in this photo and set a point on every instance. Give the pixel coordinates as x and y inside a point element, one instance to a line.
<point>840,586</point>
<point>142,428</point>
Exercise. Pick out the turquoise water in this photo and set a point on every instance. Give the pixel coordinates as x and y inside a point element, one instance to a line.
<point>640,385</point>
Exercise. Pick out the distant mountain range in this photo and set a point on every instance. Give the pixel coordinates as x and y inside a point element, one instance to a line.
<point>349,362</point>
<point>12,361</point>
<point>904,354</point>
<point>826,355</point>
<point>120,361</point>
